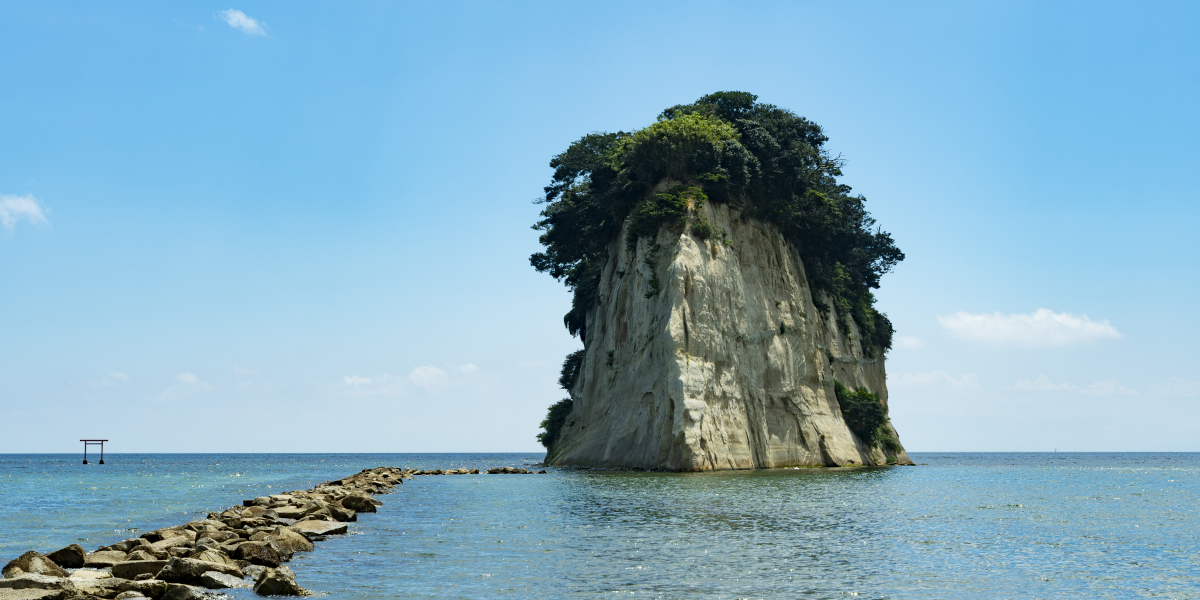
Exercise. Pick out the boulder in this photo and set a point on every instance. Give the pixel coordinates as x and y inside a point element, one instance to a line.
<point>70,557</point>
<point>141,554</point>
<point>254,571</point>
<point>359,502</point>
<point>259,553</point>
<point>32,594</point>
<point>177,591</point>
<point>128,595</point>
<point>90,574</point>
<point>290,541</point>
<point>174,541</point>
<point>32,563</point>
<point>130,569</point>
<point>278,582</point>
<point>318,528</point>
<point>213,556</point>
<point>29,581</point>
<point>217,581</point>
<point>168,532</point>
<point>342,514</point>
<point>289,512</point>
<point>189,570</point>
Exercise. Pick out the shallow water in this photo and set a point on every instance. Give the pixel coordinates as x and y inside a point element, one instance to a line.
<point>959,525</point>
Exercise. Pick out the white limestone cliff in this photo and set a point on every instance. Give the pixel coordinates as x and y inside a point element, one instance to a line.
<point>728,366</point>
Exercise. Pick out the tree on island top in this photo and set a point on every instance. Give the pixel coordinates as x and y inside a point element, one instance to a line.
<point>765,160</point>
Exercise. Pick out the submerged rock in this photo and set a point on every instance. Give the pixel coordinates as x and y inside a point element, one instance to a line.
<point>32,563</point>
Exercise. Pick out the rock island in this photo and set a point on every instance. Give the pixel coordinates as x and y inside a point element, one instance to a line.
<point>722,283</point>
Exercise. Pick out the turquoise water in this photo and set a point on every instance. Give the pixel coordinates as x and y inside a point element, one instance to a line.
<point>957,526</point>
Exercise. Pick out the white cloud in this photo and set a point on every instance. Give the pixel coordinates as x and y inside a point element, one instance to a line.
<point>384,385</point>
<point>188,385</point>
<point>1040,328</point>
<point>16,208</point>
<point>906,341</point>
<point>1107,387</point>
<point>240,20</point>
<point>1042,384</point>
<point>241,371</point>
<point>1179,388</point>
<point>112,379</point>
<point>468,369</point>
<point>430,378</point>
<point>934,378</point>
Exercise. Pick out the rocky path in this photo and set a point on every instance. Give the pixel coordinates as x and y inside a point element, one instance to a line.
<point>243,546</point>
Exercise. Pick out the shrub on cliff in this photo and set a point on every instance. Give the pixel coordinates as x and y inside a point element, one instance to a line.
<point>556,415</point>
<point>862,411</point>
<point>767,161</point>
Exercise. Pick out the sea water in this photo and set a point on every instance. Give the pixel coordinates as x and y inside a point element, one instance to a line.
<point>955,526</point>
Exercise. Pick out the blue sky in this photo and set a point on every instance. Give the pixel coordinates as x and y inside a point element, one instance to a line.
<point>305,226</point>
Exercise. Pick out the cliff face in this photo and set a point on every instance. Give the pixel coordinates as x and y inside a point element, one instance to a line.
<point>711,354</point>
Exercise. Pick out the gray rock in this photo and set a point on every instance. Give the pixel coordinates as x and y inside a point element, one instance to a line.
<point>32,594</point>
<point>70,557</point>
<point>290,541</point>
<point>259,553</point>
<point>141,554</point>
<point>289,512</point>
<point>128,595</point>
<point>189,570</point>
<point>318,528</point>
<point>174,541</point>
<point>359,501</point>
<point>130,569</point>
<point>278,582</point>
<point>33,563</point>
<point>106,558</point>
<point>342,514</point>
<point>213,556</point>
<point>177,591</point>
<point>27,581</point>
<point>217,581</point>
<point>254,571</point>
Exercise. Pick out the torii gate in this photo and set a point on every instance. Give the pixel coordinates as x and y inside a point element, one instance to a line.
<point>87,443</point>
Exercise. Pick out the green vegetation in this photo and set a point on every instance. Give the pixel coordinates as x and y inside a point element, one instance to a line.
<point>762,160</point>
<point>570,369</point>
<point>556,415</point>
<point>863,412</point>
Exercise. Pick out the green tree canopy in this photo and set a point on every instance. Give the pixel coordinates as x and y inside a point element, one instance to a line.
<point>767,161</point>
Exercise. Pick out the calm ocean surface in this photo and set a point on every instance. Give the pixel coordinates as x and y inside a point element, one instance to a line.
<point>957,526</point>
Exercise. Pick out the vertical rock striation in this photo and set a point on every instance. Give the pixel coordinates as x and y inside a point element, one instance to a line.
<point>711,354</point>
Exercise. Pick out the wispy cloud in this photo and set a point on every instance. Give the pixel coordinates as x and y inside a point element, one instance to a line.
<point>468,369</point>
<point>1179,388</point>
<point>1042,384</point>
<point>934,378</point>
<point>429,378</point>
<point>384,385</point>
<point>187,385</point>
<point>112,379</point>
<point>17,208</point>
<point>1042,327</point>
<point>906,341</point>
<point>240,20</point>
<point>1108,387</point>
